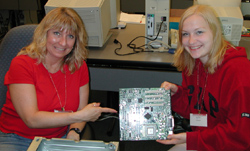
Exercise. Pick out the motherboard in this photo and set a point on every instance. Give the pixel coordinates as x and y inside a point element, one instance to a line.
<point>145,114</point>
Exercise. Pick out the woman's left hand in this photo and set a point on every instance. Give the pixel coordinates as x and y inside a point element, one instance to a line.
<point>174,139</point>
<point>73,135</point>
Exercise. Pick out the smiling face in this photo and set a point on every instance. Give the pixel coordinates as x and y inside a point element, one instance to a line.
<point>197,37</point>
<point>59,43</point>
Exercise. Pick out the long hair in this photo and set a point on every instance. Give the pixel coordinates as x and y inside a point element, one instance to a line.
<point>183,60</point>
<point>59,18</point>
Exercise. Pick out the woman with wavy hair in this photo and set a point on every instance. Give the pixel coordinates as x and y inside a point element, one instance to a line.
<point>49,95</point>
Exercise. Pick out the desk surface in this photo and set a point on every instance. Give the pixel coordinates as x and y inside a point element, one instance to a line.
<point>105,55</point>
<point>109,72</point>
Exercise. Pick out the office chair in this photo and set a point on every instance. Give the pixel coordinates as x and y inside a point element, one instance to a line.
<point>12,43</point>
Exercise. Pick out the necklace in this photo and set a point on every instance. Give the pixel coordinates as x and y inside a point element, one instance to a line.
<point>204,89</point>
<point>65,101</point>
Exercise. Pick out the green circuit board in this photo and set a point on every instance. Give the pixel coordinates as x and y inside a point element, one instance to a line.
<point>145,114</point>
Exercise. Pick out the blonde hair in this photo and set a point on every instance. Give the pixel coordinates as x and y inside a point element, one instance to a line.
<point>59,18</point>
<point>183,60</point>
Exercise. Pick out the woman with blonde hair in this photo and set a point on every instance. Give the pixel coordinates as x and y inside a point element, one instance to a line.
<point>214,93</point>
<point>49,95</point>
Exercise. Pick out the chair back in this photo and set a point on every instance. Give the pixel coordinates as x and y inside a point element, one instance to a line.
<point>12,43</point>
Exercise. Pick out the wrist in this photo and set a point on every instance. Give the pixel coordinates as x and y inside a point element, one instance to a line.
<point>76,130</point>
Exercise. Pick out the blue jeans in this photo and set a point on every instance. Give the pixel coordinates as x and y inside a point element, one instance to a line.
<point>14,142</point>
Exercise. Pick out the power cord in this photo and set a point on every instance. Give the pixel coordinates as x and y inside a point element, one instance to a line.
<point>108,116</point>
<point>134,49</point>
<point>140,49</point>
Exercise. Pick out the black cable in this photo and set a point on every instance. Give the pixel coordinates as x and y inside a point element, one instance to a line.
<point>125,54</point>
<point>108,116</point>
<point>117,42</point>
<point>133,46</point>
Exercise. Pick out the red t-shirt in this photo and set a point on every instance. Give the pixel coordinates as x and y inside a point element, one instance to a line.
<point>24,69</point>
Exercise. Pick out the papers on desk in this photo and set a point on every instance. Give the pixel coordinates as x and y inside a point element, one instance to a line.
<point>132,18</point>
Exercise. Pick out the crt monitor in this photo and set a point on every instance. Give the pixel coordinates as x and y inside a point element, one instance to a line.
<point>95,15</point>
<point>230,16</point>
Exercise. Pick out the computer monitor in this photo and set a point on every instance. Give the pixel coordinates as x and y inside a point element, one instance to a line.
<point>115,12</point>
<point>230,16</point>
<point>95,15</point>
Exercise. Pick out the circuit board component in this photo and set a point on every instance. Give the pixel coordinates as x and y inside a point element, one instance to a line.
<point>145,114</point>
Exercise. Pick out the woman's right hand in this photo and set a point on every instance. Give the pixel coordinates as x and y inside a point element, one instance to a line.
<point>170,86</point>
<point>93,111</point>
